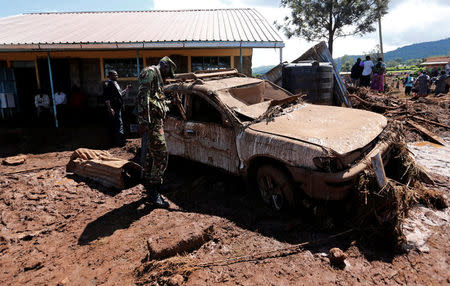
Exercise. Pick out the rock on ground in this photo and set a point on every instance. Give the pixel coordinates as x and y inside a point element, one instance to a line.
<point>181,239</point>
<point>337,257</point>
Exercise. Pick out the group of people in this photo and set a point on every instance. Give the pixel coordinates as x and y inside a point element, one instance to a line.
<point>366,73</point>
<point>152,107</point>
<point>422,82</point>
<point>42,104</point>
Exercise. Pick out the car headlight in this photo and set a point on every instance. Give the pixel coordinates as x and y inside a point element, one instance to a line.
<point>328,164</point>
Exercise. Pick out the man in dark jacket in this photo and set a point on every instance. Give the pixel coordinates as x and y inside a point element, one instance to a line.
<point>440,83</point>
<point>113,94</point>
<point>356,72</point>
<point>422,84</point>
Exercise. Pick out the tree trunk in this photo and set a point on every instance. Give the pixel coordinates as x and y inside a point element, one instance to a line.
<point>330,30</point>
<point>330,43</point>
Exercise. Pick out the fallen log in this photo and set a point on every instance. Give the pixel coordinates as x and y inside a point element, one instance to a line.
<point>380,107</point>
<point>431,122</point>
<point>427,133</point>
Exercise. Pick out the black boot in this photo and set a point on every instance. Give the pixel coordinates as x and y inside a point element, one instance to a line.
<point>154,197</point>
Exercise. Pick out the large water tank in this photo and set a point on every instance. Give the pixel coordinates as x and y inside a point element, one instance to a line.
<point>311,78</point>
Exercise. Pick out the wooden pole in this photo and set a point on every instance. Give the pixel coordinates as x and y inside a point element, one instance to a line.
<point>137,60</point>
<point>53,90</point>
<point>240,59</point>
<point>379,31</point>
<point>36,70</point>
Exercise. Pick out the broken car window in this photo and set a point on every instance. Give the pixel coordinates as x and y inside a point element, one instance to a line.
<point>174,110</point>
<point>203,111</point>
<point>259,92</point>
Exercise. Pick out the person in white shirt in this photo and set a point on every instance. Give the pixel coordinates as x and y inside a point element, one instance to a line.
<point>367,72</point>
<point>60,97</point>
<point>42,103</point>
<point>60,102</point>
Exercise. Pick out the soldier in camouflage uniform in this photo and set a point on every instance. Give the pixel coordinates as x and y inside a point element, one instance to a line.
<point>152,107</point>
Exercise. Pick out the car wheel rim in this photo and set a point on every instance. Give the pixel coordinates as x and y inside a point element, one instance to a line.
<point>270,192</point>
<point>277,200</point>
<point>264,188</point>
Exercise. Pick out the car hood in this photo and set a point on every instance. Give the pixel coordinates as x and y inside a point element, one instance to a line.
<point>340,129</point>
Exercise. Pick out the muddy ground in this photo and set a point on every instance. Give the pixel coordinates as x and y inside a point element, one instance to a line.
<point>60,229</point>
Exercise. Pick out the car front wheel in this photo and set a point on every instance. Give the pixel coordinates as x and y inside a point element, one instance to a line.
<point>276,187</point>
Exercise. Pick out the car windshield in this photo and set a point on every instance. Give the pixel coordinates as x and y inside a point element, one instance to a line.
<point>253,100</point>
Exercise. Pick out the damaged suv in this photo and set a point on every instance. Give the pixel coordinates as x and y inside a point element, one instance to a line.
<point>251,127</point>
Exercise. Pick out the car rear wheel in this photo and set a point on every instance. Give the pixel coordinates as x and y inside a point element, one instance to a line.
<point>276,187</point>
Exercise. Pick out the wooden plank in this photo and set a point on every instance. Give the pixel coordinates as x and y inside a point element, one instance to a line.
<point>431,122</point>
<point>427,133</point>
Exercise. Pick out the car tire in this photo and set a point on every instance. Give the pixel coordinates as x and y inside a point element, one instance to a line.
<point>276,187</point>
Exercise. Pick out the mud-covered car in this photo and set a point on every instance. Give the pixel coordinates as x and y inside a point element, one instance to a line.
<point>251,127</point>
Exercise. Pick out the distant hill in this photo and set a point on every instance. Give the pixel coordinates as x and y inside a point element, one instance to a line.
<point>420,50</point>
<point>416,51</point>
<point>262,69</point>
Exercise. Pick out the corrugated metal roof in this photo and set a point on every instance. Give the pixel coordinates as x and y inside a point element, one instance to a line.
<point>133,29</point>
<point>434,63</point>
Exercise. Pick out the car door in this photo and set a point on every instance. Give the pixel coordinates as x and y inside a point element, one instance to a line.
<point>204,137</point>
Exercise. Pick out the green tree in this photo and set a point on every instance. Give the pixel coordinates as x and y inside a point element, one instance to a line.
<point>346,63</point>
<point>374,54</point>
<point>391,64</point>
<point>331,19</point>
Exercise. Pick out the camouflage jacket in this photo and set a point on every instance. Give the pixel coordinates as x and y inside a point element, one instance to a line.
<point>151,103</point>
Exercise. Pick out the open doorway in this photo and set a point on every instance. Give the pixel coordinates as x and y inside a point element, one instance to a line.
<point>26,85</point>
<point>60,73</point>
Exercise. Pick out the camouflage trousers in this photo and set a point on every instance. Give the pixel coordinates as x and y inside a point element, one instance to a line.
<point>154,154</point>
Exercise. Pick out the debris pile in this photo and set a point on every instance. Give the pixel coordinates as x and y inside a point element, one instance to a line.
<point>381,211</point>
<point>425,118</point>
<point>164,271</point>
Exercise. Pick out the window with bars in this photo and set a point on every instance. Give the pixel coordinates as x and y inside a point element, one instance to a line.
<point>124,67</point>
<point>210,63</point>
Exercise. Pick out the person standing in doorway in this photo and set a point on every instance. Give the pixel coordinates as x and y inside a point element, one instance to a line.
<point>42,104</point>
<point>152,108</point>
<point>367,72</point>
<point>113,96</point>
<point>60,102</point>
<point>76,106</point>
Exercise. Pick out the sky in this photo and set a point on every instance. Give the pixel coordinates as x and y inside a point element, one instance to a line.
<point>407,21</point>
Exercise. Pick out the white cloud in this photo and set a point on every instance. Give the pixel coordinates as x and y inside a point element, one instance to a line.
<point>417,21</point>
<point>408,22</point>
